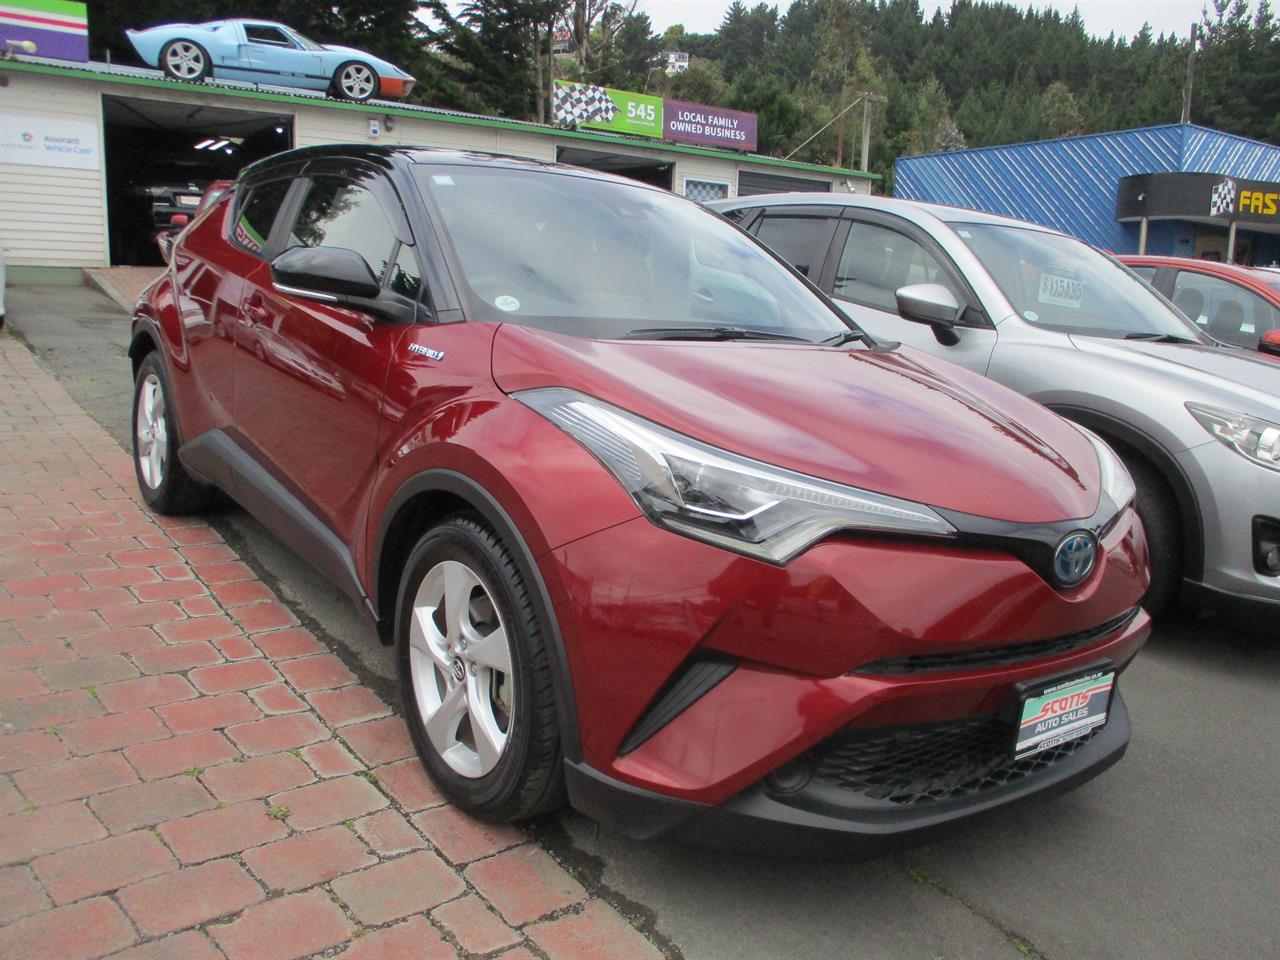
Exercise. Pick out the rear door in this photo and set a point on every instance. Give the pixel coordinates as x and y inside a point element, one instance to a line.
<point>800,235</point>
<point>309,388</point>
<point>212,264</point>
<point>876,256</point>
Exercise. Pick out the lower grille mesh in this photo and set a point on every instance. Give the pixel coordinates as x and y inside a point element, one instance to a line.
<point>945,761</point>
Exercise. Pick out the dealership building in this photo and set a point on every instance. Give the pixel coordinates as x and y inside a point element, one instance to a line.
<point>1175,190</point>
<point>80,141</point>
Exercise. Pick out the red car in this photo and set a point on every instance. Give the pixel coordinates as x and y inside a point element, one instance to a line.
<point>1237,305</point>
<point>651,524</point>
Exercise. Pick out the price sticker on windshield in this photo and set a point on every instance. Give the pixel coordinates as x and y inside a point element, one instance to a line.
<point>1061,289</point>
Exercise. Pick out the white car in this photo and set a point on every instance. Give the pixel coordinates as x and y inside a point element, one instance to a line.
<point>1196,422</point>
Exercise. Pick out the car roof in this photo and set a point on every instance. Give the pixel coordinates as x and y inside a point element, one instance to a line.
<point>1231,271</point>
<point>914,209</point>
<point>405,155</point>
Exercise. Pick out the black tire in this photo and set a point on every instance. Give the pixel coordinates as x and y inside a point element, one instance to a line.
<point>168,70</point>
<point>1159,514</point>
<point>528,778</point>
<point>177,492</point>
<point>336,86</point>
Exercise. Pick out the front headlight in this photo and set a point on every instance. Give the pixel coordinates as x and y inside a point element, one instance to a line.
<point>1252,438</point>
<point>1116,481</point>
<point>709,494</point>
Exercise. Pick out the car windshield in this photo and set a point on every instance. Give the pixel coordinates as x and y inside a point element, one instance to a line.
<point>1063,284</point>
<point>603,259</point>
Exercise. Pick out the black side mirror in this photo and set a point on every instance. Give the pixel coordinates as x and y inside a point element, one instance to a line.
<point>934,304</point>
<point>329,274</point>
<point>336,276</point>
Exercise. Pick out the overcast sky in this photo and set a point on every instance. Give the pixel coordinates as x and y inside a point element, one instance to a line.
<point>1101,17</point>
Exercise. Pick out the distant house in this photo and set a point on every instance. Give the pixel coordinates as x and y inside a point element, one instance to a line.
<point>675,61</point>
<point>562,42</point>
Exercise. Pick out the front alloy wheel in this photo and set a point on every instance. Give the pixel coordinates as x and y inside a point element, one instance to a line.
<point>474,673</point>
<point>460,660</point>
<point>357,81</point>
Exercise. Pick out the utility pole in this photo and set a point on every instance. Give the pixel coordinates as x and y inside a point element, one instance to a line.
<point>1191,73</point>
<point>866,99</point>
<point>866,129</point>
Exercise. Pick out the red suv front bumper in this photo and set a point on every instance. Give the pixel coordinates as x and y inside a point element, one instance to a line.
<point>856,640</point>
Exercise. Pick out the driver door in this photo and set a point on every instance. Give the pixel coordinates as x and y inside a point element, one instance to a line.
<point>268,49</point>
<point>879,255</point>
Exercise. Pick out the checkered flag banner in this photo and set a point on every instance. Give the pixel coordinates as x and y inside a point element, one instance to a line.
<point>1223,199</point>
<point>578,103</point>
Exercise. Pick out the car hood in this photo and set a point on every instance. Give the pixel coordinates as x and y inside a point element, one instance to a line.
<point>1251,377</point>
<point>384,67</point>
<point>898,422</point>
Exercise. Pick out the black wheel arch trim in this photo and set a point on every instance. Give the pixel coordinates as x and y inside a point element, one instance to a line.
<point>1179,483</point>
<point>492,512</point>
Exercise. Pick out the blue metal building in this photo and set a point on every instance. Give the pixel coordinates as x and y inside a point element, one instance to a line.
<point>1074,184</point>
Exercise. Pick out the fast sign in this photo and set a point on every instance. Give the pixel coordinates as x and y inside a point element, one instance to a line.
<point>1198,196</point>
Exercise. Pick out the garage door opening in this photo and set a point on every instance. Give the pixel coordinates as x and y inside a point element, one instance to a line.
<point>751,182</point>
<point>160,156</point>
<point>656,172</point>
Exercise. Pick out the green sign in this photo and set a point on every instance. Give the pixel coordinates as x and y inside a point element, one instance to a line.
<point>603,108</point>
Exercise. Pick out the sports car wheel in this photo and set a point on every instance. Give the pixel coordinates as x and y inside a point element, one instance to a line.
<point>474,674</point>
<point>184,60</point>
<point>355,81</point>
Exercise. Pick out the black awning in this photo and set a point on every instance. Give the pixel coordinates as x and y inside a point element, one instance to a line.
<point>1202,197</point>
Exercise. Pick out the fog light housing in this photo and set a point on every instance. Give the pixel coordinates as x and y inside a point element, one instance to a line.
<point>1266,546</point>
<point>792,777</point>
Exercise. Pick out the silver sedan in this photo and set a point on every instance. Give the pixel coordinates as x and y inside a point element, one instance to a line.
<point>1197,423</point>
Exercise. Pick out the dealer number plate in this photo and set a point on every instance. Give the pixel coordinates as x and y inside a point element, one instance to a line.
<point>187,200</point>
<point>1063,712</point>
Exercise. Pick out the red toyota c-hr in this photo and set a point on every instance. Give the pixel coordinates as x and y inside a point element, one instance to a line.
<point>649,522</point>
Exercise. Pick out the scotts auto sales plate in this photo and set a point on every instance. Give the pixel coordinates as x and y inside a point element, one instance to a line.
<point>1063,712</point>
<point>187,200</point>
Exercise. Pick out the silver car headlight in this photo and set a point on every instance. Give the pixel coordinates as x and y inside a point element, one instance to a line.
<point>700,491</point>
<point>1116,481</point>
<point>1251,437</point>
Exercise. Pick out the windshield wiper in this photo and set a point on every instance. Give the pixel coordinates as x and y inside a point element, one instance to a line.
<point>708,333</point>
<point>848,336</point>
<point>1160,338</point>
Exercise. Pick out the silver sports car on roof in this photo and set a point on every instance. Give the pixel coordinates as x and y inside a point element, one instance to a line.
<point>1197,423</point>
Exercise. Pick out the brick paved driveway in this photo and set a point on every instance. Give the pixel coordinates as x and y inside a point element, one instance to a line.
<point>187,773</point>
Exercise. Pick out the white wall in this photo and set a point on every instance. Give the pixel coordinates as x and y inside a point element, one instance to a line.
<point>51,216</point>
<point>58,217</point>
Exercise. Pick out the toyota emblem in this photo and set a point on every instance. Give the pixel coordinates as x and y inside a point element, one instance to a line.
<point>1074,558</point>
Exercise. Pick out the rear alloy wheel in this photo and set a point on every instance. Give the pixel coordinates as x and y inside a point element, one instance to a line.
<point>356,81</point>
<point>165,484</point>
<point>474,675</point>
<point>184,60</point>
